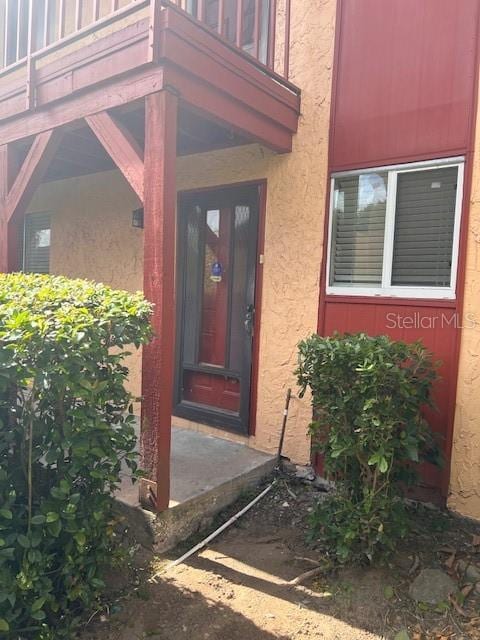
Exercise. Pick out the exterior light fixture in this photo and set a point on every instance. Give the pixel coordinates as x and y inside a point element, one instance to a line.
<point>137,218</point>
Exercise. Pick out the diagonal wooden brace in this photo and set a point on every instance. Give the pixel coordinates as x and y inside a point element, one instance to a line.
<point>121,147</point>
<point>31,173</point>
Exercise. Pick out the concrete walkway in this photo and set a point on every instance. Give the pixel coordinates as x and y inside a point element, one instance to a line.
<point>201,464</point>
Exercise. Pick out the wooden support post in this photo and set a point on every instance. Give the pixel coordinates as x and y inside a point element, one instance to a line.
<point>10,226</point>
<point>159,278</point>
<point>122,148</point>
<point>5,165</point>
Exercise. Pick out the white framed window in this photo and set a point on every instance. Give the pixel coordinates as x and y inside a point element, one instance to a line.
<point>36,243</point>
<point>394,231</point>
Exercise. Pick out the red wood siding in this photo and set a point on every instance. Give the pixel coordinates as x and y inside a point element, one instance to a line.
<point>405,80</point>
<point>434,325</point>
<point>404,89</point>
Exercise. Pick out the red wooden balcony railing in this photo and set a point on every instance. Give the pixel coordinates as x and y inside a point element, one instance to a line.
<point>28,27</point>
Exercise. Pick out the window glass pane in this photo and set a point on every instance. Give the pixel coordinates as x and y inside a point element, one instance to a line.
<point>36,257</point>
<point>358,225</point>
<point>239,285</point>
<point>424,223</point>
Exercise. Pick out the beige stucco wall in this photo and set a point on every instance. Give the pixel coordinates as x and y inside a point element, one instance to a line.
<point>465,468</point>
<point>92,235</point>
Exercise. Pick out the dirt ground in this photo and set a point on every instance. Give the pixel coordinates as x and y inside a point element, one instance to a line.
<point>238,588</point>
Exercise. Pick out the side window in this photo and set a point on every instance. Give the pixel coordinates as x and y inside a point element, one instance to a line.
<point>394,231</point>
<point>36,243</point>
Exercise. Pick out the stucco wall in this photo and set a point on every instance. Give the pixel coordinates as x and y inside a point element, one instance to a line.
<point>465,468</point>
<point>92,235</point>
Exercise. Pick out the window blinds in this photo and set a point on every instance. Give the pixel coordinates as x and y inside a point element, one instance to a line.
<point>358,230</point>
<point>36,247</point>
<point>424,226</point>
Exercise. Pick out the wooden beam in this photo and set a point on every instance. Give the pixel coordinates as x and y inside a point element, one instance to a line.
<point>31,172</point>
<point>227,111</point>
<point>159,271</point>
<point>122,148</point>
<point>105,96</point>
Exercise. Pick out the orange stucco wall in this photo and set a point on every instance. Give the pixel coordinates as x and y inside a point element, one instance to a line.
<point>92,236</point>
<point>465,467</point>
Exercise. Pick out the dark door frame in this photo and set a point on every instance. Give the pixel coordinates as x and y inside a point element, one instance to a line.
<point>206,416</point>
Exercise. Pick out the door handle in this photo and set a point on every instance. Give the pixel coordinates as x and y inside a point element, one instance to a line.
<point>249,317</point>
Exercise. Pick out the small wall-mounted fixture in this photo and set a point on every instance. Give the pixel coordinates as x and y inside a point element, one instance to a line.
<point>137,218</point>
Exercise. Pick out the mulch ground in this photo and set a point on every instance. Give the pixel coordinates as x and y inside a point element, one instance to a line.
<point>241,587</point>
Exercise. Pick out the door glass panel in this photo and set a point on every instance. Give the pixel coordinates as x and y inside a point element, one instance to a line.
<point>216,272</point>
<point>193,255</point>
<point>239,286</point>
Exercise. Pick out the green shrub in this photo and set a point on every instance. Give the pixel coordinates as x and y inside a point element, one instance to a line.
<point>65,429</point>
<point>367,395</point>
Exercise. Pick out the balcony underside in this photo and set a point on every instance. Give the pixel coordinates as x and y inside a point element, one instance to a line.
<point>225,97</point>
<point>81,153</point>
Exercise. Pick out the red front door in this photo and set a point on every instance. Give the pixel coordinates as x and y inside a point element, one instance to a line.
<point>216,283</point>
